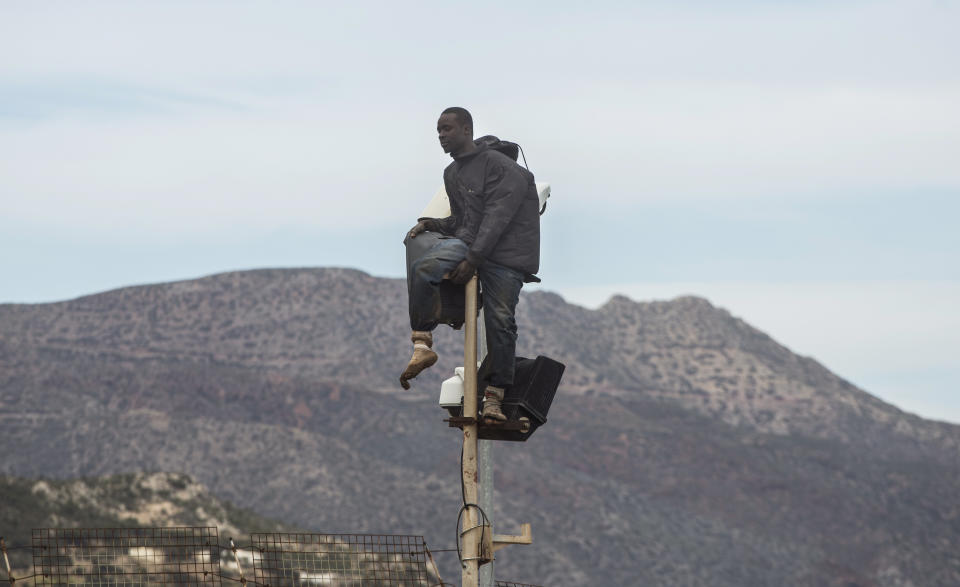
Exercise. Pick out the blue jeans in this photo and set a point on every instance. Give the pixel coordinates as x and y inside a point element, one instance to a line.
<point>501,292</point>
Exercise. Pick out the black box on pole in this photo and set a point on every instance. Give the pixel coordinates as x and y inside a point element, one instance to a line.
<point>535,382</point>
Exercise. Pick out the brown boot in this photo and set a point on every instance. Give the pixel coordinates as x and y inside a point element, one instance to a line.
<point>423,356</point>
<point>492,399</point>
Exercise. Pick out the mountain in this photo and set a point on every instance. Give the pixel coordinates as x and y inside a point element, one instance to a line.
<point>684,446</point>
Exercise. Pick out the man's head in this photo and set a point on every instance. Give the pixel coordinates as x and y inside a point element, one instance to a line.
<point>455,130</point>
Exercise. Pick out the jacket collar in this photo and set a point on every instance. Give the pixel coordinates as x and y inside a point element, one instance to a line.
<point>481,147</point>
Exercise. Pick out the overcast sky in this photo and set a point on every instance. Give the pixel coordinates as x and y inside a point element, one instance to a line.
<point>797,163</point>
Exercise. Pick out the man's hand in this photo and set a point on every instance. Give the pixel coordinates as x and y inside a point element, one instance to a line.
<point>417,229</point>
<point>462,272</point>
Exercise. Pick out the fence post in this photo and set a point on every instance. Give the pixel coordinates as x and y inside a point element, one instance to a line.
<point>6,561</point>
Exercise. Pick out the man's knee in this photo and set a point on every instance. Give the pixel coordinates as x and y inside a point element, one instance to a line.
<point>427,268</point>
<point>436,262</point>
<point>501,317</point>
<point>501,303</point>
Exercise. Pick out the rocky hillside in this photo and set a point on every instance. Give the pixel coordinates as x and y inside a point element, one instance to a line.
<point>118,501</point>
<point>684,446</point>
<point>345,327</point>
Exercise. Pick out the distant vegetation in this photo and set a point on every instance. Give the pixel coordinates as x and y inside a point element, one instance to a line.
<point>116,501</point>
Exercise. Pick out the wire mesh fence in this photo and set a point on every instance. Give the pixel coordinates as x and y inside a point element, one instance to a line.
<point>194,556</point>
<point>126,556</point>
<point>343,560</point>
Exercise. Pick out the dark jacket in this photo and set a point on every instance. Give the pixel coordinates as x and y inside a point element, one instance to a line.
<point>494,208</point>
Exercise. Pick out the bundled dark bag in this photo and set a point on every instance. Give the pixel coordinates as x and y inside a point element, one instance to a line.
<point>512,150</point>
<point>453,301</point>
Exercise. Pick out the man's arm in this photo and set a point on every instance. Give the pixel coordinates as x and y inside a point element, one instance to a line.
<point>445,226</point>
<point>442,225</point>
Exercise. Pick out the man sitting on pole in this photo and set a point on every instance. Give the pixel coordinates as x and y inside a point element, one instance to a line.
<point>493,231</point>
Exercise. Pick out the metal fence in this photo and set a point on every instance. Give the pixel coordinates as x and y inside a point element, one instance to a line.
<point>126,556</point>
<point>193,556</point>
<point>344,560</point>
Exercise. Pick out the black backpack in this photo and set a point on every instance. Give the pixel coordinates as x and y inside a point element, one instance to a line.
<point>509,149</point>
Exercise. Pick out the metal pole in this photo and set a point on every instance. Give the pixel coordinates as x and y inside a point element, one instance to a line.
<point>471,528</point>
<point>486,463</point>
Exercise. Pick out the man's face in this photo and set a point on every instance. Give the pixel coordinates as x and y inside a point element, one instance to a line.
<point>453,135</point>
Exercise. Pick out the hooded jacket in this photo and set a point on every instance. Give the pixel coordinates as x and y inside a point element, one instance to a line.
<point>494,209</point>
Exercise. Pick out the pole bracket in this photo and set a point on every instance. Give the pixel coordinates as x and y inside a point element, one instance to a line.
<point>460,422</point>
<point>504,540</point>
<point>522,425</point>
